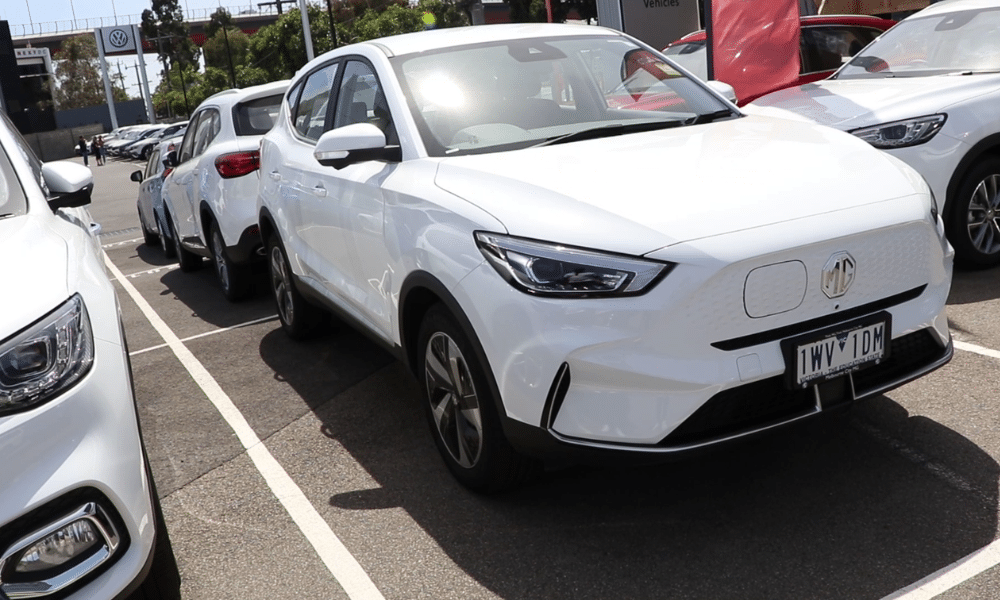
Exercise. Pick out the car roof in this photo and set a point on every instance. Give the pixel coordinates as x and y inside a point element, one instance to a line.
<point>434,39</point>
<point>236,95</point>
<point>955,5</point>
<point>813,21</point>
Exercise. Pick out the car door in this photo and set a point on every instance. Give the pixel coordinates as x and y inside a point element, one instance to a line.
<point>189,175</point>
<point>175,186</point>
<point>356,200</point>
<point>149,190</point>
<point>315,239</point>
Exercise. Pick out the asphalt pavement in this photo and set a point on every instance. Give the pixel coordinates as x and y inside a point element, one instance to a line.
<point>297,471</point>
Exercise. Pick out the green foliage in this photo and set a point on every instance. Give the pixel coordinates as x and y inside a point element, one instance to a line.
<point>165,24</point>
<point>534,11</point>
<point>279,49</point>
<point>77,74</point>
<point>446,14</point>
<point>220,19</point>
<point>181,92</point>
<point>395,19</point>
<point>226,49</point>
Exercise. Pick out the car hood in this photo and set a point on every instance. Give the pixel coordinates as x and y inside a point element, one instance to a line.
<point>641,192</point>
<point>852,103</point>
<point>35,272</point>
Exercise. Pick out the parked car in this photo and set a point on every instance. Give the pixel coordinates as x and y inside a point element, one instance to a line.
<point>482,202</point>
<point>79,515</point>
<point>148,133</point>
<point>150,202</point>
<point>825,44</point>
<point>210,196</point>
<point>926,92</point>
<point>113,147</point>
<point>141,149</point>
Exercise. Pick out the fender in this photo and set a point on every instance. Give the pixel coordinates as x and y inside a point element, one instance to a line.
<point>988,145</point>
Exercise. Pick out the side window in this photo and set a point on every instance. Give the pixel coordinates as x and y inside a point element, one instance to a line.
<point>310,112</point>
<point>208,128</point>
<point>187,146</point>
<point>153,166</point>
<point>827,48</point>
<point>361,100</point>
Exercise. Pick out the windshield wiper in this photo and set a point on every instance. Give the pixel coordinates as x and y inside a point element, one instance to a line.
<point>608,131</point>
<point>709,117</point>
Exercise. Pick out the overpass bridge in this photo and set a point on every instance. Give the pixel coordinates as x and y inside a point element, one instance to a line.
<point>51,34</point>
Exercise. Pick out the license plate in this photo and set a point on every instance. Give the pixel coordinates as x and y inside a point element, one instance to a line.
<point>844,348</point>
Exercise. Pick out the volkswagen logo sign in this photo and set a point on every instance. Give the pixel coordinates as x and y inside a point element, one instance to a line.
<point>838,275</point>
<point>118,38</point>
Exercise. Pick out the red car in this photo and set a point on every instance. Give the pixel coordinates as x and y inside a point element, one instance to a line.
<point>827,41</point>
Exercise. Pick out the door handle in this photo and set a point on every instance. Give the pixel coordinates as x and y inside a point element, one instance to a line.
<point>274,175</point>
<point>319,191</point>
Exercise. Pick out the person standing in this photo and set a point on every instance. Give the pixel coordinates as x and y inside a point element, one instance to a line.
<point>82,144</point>
<point>99,149</point>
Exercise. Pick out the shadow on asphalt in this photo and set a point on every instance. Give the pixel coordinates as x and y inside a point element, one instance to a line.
<point>832,509</point>
<point>974,285</point>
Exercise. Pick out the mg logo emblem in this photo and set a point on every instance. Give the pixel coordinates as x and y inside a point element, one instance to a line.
<point>838,275</point>
<point>118,38</point>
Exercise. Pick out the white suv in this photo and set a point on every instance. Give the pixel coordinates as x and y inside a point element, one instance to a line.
<point>580,250</point>
<point>209,197</point>
<point>79,516</point>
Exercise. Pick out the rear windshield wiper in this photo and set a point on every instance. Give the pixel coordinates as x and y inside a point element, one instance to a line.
<point>608,131</point>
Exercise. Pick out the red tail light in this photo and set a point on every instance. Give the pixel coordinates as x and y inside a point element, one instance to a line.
<point>166,171</point>
<point>237,164</point>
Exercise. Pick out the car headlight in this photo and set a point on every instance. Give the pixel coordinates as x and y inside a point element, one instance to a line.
<point>40,362</point>
<point>547,269</point>
<point>900,134</point>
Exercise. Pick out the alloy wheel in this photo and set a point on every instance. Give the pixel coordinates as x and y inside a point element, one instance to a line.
<point>281,284</point>
<point>454,403</point>
<point>984,215</point>
<point>221,268</point>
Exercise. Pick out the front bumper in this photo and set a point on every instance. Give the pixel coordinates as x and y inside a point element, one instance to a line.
<point>654,374</point>
<point>81,447</point>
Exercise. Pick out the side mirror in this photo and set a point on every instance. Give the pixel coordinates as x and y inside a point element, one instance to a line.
<point>360,142</point>
<point>136,176</point>
<point>723,89</point>
<point>70,185</point>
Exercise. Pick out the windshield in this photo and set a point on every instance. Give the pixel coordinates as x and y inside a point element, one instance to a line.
<point>519,93</point>
<point>959,42</point>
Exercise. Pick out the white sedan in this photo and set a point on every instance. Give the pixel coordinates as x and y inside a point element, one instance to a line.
<point>581,251</point>
<point>79,516</point>
<point>927,92</point>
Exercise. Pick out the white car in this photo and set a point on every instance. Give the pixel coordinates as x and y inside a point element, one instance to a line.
<point>79,516</point>
<point>149,204</point>
<point>581,251</point>
<point>927,92</point>
<point>210,196</point>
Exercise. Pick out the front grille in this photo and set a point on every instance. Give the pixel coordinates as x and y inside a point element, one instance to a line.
<point>759,404</point>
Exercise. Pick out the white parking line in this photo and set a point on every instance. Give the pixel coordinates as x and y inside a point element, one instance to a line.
<point>206,334</point>
<point>342,565</point>
<point>965,568</point>
<point>153,271</point>
<point>951,576</point>
<point>121,243</point>
<point>976,349</point>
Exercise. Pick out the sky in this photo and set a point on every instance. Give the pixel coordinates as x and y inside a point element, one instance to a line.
<point>25,16</point>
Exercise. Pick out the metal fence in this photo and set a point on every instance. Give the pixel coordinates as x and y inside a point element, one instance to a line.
<point>87,25</point>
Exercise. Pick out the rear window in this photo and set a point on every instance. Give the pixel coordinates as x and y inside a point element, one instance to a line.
<point>256,117</point>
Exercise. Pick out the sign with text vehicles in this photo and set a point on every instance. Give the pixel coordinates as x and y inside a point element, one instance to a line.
<point>659,22</point>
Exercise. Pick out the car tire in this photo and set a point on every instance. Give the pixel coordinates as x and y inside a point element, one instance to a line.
<point>234,278</point>
<point>462,411</point>
<point>188,261</point>
<point>148,237</point>
<point>299,319</point>
<point>167,237</point>
<point>974,215</point>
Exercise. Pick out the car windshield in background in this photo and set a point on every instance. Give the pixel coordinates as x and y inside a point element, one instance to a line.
<point>693,56</point>
<point>962,43</point>
<point>256,117</point>
<point>515,94</point>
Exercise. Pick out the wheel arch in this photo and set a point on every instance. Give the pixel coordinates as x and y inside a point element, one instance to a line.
<point>987,147</point>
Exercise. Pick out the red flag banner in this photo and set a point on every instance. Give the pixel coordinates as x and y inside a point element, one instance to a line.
<point>755,44</point>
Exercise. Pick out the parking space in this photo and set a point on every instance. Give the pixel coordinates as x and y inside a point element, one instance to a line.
<point>335,457</point>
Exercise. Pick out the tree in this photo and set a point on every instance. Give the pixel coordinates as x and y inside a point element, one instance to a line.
<point>165,24</point>
<point>226,49</point>
<point>220,19</point>
<point>279,49</point>
<point>534,11</point>
<point>78,75</point>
